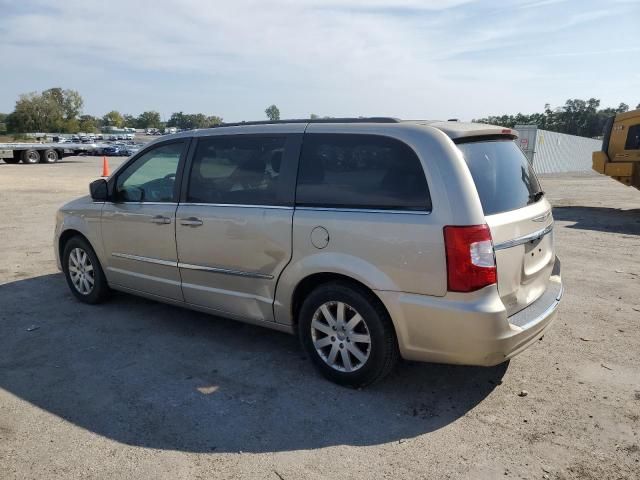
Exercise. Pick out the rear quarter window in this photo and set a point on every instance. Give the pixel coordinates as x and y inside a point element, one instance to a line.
<point>358,171</point>
<point>502,174</point>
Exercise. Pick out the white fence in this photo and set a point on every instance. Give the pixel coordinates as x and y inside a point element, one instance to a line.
<point>553,152</point>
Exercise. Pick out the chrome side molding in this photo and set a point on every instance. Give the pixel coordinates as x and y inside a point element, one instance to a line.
<point>225,271</point>
<point>188,266</point>
<point>137,258</point>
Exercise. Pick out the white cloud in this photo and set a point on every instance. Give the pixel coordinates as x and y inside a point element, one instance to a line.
<point>406,57</point>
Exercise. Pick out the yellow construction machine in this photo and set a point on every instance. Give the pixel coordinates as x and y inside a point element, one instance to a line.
<point>620,154</point>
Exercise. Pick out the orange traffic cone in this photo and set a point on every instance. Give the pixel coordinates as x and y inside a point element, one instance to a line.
<point>105,167</point>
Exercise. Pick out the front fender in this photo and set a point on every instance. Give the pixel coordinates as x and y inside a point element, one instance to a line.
<point>82,216</point>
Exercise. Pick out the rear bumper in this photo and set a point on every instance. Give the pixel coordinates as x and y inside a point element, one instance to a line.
<point>469,329</point>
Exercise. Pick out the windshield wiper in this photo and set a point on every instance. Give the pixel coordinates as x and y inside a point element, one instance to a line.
<point>536,196</point>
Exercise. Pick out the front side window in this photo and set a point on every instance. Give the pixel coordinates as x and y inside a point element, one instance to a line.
<point>238,170</point>
<point>360,171</point>
<point>633,138</point>
<point>151,177</point>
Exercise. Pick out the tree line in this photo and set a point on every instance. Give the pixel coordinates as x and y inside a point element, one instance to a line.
<point>576,117</point>
<point>60,110</point>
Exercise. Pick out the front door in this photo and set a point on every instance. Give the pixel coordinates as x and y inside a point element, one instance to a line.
<point>138,226</point>
<point>233,231</point>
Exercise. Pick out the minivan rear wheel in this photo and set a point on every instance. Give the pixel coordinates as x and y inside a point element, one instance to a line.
<point>348,334</point>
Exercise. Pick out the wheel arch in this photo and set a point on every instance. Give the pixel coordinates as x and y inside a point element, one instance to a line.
<point>309,283</point>
<point>67,235</point>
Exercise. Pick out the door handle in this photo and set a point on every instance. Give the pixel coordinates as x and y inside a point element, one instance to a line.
<point>191,222</point>
<point>160,220</point>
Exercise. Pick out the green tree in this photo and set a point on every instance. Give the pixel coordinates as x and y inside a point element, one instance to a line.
<point>214,120</point>
<point>36,112</point>
<point>273,113</point>
<point>177,119</point>
<point>113,119</point>
<point>150,119</point>
<point>313,116</point>
<point>72,104</point>
<point>188,121</point>
<point>622,108</point>
<point>129,121</point>
<point>575,117</point>
<point>88,123</point>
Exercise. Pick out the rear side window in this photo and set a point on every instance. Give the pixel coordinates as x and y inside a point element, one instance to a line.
<point>239,169</point>
<point>633,138</point>
<point>503,176</point>
<point>360,171</point>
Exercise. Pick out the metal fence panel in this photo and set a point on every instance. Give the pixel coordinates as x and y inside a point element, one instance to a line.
<point>557,152</point>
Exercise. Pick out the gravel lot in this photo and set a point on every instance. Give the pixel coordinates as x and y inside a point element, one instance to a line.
<point>136,389</point>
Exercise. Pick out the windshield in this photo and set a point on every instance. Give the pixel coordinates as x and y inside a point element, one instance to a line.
<point>503,176</point>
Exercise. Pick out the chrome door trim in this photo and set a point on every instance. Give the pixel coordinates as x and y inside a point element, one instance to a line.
<point>225,271</point>
<point>363,210</point>
<point>138,258</point>
<point>172,204</point>
<point>524,239</point>
<point>273,207</point>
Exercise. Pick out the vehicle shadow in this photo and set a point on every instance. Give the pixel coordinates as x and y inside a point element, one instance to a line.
<point>151,375</point>
<point>601,219</point>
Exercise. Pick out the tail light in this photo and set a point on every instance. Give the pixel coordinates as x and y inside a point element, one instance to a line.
<point>471,262</point>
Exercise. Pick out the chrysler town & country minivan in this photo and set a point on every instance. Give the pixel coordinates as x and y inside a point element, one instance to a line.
<point>371,239</point>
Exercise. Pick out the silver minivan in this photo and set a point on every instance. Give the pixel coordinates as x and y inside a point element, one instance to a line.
<point>370,238</point>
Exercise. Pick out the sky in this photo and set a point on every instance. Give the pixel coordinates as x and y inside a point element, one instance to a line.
<point>426,59</point>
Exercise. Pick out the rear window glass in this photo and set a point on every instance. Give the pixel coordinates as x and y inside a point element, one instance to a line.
<point>360,171</point>
<point>503,176</point>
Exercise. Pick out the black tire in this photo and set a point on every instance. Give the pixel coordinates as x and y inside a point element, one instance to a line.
<point>100,289</point>
<point>30,156</point>
<point>49,156</point>
<point>383,348</point>
<point>11,161</point>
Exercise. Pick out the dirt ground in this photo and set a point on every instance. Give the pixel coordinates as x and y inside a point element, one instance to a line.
<point>134,389</point>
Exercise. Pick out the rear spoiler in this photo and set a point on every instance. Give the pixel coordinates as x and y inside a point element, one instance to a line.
<point>485,138</point>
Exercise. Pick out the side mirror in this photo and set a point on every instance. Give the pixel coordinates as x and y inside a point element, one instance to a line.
<point>98,190</point>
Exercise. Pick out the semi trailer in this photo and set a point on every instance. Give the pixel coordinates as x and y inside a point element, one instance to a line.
<point>32,153</point>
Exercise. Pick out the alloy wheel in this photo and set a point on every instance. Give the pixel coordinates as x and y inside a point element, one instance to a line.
<point>81,271</point>
<point>340,336</point>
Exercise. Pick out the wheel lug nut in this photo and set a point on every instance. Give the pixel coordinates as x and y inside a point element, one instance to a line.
<point>341,345</point>
<point>333,328</point>
<point>333,339</point>
<point>349,340</point>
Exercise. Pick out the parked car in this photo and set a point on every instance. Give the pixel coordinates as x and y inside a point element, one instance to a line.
<point>371,239</point>
<point>114,151</point>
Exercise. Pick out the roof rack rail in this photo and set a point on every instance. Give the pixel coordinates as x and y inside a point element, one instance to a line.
<point>314,120</point>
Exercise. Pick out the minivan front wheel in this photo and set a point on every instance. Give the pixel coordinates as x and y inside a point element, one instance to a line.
<point>83,271</point>
<point>348,334</point>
